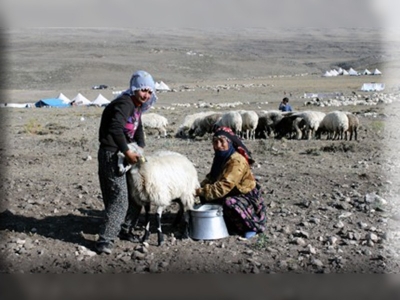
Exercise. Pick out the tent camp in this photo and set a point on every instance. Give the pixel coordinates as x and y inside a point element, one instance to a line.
<point>100,101</point>
<point>372,87</point>
<point>80,100</point>
<point>64,98</point>
<point>161,86</point>
<point>51,102</point>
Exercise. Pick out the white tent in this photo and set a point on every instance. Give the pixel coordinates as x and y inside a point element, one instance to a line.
<point>328,74</point>
<point>367,72</point>
<point>17,105</point>
<point>161,86</point>
<point>64,98</point>
<point>376,72</point>
<point>100,101</point>
<point>334,72</point>
<point>372,87</point>
<point>80,100</point>
<point>353,72</point>
<point>345,73</point>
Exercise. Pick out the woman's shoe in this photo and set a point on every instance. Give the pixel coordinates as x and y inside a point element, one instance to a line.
<point>249,234</point>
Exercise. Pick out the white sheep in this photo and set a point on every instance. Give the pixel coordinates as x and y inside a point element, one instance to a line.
<point>155,121</point>
<point>335,123</point>
<point>188,122</point>
<point>231,119</point>
<point>249,123</point>
<point>312,119</point>
<point>159,179</point>
<point>204,124</point>
<point>354,123</point>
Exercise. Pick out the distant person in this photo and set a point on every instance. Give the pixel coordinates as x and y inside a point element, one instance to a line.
<point>285,106</point>
<point>231,184</point>
<point>121,123</point>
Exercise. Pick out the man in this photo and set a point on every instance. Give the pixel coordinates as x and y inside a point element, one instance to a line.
<point>121,124</point>
<point>285,106</point>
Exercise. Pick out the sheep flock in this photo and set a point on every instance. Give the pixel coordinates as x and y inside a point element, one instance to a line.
<point>262,124</point>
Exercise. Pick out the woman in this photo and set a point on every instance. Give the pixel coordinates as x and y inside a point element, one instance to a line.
<point>121,124</point>
<point>232,184</point>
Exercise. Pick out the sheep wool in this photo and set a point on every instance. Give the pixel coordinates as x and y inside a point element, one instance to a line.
<point>335,123</point>
<point>249,123</point>
<point>231,119</point>
<point>155,121</point>
<point>205,124</point>
<point>312,119</point>
<point>188,122</point>
<point>164,176</point>
<point>354,123</point>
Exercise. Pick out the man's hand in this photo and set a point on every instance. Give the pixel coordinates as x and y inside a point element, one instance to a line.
<point>131,157</point>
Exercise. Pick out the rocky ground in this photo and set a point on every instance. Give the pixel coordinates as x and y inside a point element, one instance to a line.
<point>331,204</point>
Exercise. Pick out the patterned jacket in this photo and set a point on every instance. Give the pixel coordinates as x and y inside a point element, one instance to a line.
<point>235,179</point>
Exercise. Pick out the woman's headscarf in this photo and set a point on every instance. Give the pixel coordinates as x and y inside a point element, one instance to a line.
<point>236,142</point>
<point>221,157</point>
<point>142,80</point>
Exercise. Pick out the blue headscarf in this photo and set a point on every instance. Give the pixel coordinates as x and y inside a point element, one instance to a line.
<point>142,80</point>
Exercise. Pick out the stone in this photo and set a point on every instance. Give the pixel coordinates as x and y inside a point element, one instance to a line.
<point>299,241</point>
<point>332,240</point>
<point>339,224</point>
<point>371,237</point>
<point>316,262</point>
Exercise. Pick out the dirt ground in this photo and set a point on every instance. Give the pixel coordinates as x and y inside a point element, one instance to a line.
<point>331,204</point>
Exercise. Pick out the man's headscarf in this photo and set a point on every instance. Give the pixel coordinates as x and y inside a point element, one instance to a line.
<point>142,80</point>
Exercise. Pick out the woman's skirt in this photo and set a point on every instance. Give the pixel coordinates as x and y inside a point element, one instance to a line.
<point>246,212</point>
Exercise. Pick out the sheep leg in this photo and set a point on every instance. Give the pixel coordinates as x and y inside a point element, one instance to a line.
<point>185,234</point>
<point>147,222</point>
<point>132,216</point>
<point>160,235</point>
<point>179,215</point>
<point>355,134</point>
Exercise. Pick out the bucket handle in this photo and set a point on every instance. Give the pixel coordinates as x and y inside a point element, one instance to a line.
<point>219,211</point>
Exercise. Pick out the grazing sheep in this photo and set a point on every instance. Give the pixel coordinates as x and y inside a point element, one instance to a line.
<point>188,122</point>
<point>159,179</point>
<point>334,123</point>
<point>289,127</point>
<point>354,123</point>
<point>231,119</point>
<point>155,121</point>
<point>312,119</point>
<point>203,125</point>
<point>249,124</point>
<point>267,121</point>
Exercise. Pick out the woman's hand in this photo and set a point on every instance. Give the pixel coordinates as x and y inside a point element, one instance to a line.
<point>198,192</point>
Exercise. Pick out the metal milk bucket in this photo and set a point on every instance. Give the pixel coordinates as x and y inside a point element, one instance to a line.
<point>207,223</point>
